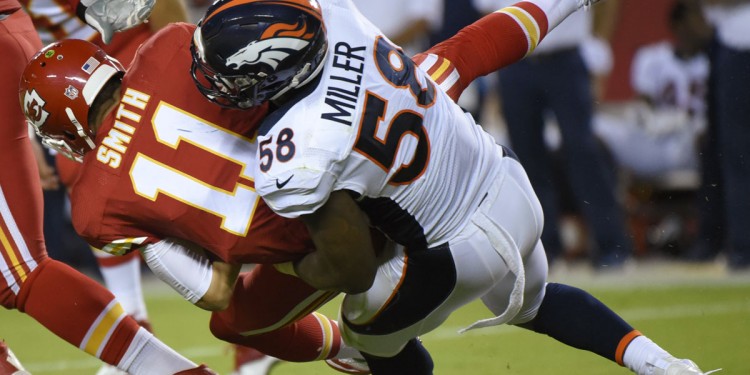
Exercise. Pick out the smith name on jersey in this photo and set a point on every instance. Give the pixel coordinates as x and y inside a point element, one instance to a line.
<point>374,124</point>
<point>170,164</point>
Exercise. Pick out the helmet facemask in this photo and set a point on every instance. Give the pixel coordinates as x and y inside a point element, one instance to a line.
<point>69,144</point>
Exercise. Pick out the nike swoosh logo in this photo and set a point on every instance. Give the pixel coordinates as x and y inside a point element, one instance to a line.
<point>280,185</point>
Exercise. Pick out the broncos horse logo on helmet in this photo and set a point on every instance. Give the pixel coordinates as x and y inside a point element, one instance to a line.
<point>246,52</point>
<point>274,48</point>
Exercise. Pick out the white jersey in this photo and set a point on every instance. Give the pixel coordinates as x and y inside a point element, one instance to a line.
<point>669,81</point>
<point>374,124</point>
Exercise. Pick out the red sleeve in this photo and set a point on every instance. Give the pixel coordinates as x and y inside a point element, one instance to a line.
<point>68,170</point>
<point>493,42</point>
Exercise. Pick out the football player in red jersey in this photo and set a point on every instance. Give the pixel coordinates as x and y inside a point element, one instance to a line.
<point>56,20</point>
<point>167,174</point>
<point>74,307</point>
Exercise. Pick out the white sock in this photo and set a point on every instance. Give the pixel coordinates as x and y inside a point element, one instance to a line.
<point>124,281</point>
<point>640,353</point>
<point>346,351</point>
<point>556,11</point>
<point>147,355</point>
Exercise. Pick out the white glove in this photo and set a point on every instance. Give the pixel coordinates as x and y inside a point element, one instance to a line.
<point>110,16</point>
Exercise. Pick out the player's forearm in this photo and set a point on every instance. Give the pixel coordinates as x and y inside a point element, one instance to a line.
<point>344,259</point>
<point>336,273</point>
<point>187,269</point>
<point>219,293</point>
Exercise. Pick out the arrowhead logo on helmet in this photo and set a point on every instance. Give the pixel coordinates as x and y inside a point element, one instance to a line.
<point>33,105</point>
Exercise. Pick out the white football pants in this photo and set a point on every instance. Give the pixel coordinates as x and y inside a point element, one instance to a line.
<point>497,257</point>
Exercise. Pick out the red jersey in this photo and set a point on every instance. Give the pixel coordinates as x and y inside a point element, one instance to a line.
<point>8,5</point>
<point>168,163</point>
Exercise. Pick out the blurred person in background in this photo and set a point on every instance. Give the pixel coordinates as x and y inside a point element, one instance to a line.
<point>725,204</point>
<point>670,78</point>
<point>556,80</point>
<point>655,139</point>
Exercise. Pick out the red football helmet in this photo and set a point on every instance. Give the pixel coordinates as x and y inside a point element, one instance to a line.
<point>58,88</point>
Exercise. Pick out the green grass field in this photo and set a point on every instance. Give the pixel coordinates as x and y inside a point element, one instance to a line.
<point>696,313</point>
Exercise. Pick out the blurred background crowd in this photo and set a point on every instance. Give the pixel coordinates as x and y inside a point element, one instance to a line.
<point>630,119</point>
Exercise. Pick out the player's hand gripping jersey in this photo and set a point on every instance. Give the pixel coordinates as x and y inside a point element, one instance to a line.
<point>378,126</point>
<point>166,167</point>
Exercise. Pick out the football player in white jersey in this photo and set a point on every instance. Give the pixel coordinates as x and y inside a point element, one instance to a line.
<point>659,135</point>
<point>360,136</point>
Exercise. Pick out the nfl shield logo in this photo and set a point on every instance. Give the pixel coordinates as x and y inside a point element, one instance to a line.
<point>71,92</point>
